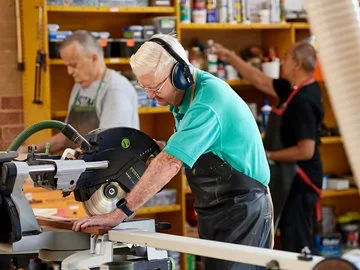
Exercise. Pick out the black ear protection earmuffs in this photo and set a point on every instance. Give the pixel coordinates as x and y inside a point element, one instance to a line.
<point>180,75</point>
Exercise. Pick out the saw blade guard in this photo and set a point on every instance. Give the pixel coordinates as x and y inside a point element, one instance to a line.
<point>128,152</point>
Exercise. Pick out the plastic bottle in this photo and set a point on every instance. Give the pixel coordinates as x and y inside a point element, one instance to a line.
<point>221,71</point>
<point>212,59</point>
<point>265,112</point>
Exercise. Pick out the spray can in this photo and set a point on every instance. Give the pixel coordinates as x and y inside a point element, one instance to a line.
<point>185,11</point>
<point>223,10</point>
<point>230,11</point>
<point>275,11</point>
<point>265,112</point>
<point>238,12</point>
<point>211,8</point>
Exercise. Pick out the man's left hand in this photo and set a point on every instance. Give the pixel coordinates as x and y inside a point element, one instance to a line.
<point>107,220</point>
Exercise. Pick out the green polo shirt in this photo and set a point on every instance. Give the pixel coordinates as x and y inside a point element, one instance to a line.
<point>218,121</point>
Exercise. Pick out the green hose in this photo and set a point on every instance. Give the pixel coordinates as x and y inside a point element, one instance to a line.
<point>66,129</point>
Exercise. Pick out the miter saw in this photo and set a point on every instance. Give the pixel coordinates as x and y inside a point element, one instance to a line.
<point>108,165</point>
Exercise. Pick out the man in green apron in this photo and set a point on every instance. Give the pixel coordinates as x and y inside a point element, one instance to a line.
<point>100,98</point>
<point>216,139</point>
<point>291,139</point>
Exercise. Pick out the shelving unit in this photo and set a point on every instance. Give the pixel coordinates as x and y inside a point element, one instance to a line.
<point>85,9</point>
<point>158,122</point>
<point>108,61</point>
<point>56,85</point>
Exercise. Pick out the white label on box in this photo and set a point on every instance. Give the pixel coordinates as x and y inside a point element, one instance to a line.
<point>113,9</point>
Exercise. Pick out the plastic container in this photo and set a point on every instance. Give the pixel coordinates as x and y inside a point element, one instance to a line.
<point>199,15</point>
<point>265,112</point>
<point>59,35</point>
<point>129,46</point>
<point>54,46</point>
<point>141,3</point>
<point>166,197</point>
<point>328,245</point>
<point>136,31</point>
<point>53,27</point>
<point>149,31</point>
<point>55,2</point>
<point>81,2</point>
<point>117,3</point>
<point>165,25</point>
<point>271,69</point>
<point>160,3</point>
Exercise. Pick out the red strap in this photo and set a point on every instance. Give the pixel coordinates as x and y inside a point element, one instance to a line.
<point>296,89</point>
<point>317,190</point>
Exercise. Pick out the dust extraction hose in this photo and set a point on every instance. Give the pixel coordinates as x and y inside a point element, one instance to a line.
<point>336,27</point>
<point>65,129</point>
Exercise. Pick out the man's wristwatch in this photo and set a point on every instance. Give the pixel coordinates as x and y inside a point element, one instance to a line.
<point>122,204</point>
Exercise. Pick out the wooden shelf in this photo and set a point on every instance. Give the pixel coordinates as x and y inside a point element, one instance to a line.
<point>58,114</point>
<point>227,26</point>
<point>300,25</point>
<point>121,61</point>
<point>339,193</point>
<point>331,140</point>
<point>96,9</point>
<point>159,209</point>
<point>151,110</point>
<point>238,82</point>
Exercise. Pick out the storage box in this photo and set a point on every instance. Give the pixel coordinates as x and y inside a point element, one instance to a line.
<point>81,2</point>
<point>165,24</point>
<point>166,197</point>
<point>117,3</point>
<point>338,183</point>
<point>54,46</point>
<point>129,46</point>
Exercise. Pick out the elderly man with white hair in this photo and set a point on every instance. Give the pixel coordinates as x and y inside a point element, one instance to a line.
<point>100,98</point>
<point>218,142</point>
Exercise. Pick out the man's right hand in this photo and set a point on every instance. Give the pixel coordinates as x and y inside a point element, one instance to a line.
<point>222,52</point>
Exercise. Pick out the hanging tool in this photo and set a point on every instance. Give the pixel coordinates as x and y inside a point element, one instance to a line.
<point>20,60</point>
<point>40,62</point>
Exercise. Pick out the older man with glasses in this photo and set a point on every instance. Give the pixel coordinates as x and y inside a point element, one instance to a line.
<point>216,140</point>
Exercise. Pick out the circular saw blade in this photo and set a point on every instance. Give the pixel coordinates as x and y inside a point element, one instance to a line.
<point>99,203</point>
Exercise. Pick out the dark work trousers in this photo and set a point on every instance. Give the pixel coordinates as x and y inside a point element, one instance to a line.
<point>297,221</point>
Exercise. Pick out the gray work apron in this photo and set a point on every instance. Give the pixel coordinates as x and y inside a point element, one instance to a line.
<point>231,207</point>
<point>84,118</point>
<point>282,173</point>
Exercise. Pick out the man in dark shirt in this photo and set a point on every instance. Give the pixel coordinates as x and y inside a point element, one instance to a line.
<point>302,113</point>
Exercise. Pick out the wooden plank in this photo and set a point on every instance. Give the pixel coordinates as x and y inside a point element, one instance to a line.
<point>67,225</point>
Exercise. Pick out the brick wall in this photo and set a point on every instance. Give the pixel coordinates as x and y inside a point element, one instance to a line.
<point>11,104</point>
